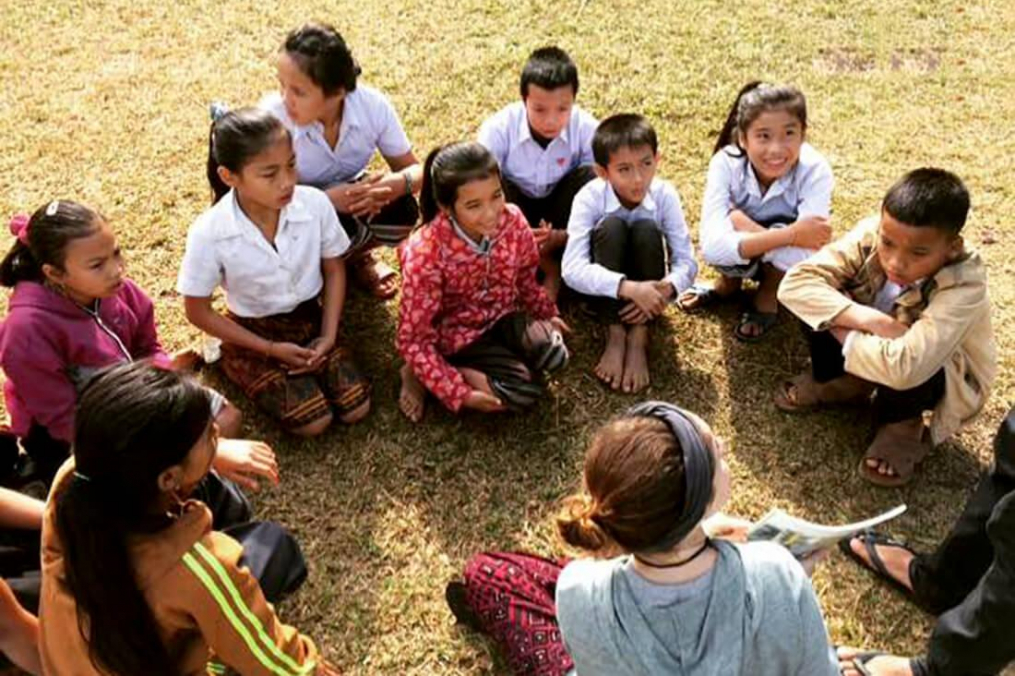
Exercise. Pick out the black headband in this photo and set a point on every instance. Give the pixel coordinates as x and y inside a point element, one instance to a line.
<point>699,467</point>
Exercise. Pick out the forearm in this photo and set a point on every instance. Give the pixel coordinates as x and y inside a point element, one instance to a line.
<point>334,298</point>
<point>744,223</point>
<point>20,511</point>
<point>753,244</point>
<point>214,324</point>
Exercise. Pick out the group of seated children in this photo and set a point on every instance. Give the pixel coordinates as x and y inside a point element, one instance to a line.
<point>895,313</point>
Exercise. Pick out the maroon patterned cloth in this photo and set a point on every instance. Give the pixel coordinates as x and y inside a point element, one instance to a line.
<point>513,597</point>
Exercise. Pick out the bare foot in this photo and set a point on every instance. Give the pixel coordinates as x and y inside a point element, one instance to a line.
<point>412,398</point>
<point>636,376</point>
<point>477,380</point>
<point>883,665</point>
<point>724,288</point>
<point>910,428</point>
<point>610,368</point>
<point>896,560</point>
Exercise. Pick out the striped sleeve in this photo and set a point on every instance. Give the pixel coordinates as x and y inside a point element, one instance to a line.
<point>239,625</point>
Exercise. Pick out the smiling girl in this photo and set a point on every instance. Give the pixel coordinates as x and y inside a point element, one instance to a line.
<point>766,205</point>
<point>475,328</point>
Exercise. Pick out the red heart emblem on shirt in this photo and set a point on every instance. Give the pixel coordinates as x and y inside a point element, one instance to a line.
<point>561,161</point>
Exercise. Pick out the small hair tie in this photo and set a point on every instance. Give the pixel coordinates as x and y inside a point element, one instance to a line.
<point>19,227</point>
<point>82,477</point>
<point>53,207</point>
<point>217,110</point>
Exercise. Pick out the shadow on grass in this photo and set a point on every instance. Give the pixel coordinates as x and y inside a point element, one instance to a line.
<point>809,461</point>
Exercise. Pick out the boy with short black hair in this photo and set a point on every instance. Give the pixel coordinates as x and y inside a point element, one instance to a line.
<point>622,227</point>
<point>543,144</point>
<point>898,308</point>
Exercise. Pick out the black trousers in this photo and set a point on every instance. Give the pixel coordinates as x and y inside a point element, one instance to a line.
<point>269,551</point>
<point>969,580</point>
<point>508,353</point>
<point>555,208</point>
<point>890,406</point>
<point>390,227</point>
<point>636,249</point>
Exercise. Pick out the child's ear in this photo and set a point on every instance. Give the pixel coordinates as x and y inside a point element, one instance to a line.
<point>53,273</point>
<point>600,170</point>
<point>957,247</point>
<point>170,480</point>
<point>228,177</point>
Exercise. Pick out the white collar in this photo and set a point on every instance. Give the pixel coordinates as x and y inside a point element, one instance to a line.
<point>525,131</point>
<point>613,202</point>
<point>231,221</point>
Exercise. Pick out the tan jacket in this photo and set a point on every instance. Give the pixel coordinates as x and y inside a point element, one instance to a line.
<point>948,316</point>
<point>210,611</point>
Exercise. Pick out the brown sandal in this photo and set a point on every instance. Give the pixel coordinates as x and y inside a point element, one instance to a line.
<point>371,274</point>
<point>805,397</point>
<point>810,394</point>
<point>900,451</point>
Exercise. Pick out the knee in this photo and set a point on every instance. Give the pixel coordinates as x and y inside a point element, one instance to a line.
<point>230,421</point>
<point>611,229</point>
<point>314,428</point>
<point>357,414</point>
<point>645,231</point>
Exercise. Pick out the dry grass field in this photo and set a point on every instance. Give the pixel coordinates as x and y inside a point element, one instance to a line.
<point>106,102</point>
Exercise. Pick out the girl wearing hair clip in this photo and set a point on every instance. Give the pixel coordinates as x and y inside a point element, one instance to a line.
<point>73,312</point>
<point>671,600</point>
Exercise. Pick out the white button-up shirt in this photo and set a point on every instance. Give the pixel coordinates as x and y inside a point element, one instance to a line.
<point>369,123</point>
<point>225,248</point>
<point>524,162</point>
<point>805,190</point>
<point>596,201</point>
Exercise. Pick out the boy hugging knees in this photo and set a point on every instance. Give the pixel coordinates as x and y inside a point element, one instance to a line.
<point>897,309</point>
<point>543,145</point>
<point>627,246</point>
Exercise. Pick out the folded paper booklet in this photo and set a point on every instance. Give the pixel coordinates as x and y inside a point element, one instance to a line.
<point>802,537</point>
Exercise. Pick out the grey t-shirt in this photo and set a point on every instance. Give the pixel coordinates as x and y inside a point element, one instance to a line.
<point>754,614</point>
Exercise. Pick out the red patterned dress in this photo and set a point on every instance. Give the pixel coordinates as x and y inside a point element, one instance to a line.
<point>453,293</point>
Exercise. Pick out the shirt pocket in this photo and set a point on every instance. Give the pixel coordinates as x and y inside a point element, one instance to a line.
<point>251,271</point>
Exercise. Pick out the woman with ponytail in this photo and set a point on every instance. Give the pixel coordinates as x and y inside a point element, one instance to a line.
<point>135,581</point>
<point>475,328</point>
<point>672,599</point>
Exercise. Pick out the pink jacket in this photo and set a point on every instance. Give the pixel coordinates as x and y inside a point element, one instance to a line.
<point>49,346</point>
<point>452,294</point>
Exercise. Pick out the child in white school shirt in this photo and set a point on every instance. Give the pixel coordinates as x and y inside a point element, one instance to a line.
<point>275,247</point>
<point>624,226</point>
<point>337,125</point>
<point>543,144</point>
<point>766,204</point>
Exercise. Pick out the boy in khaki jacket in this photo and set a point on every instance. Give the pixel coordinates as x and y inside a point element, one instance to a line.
<point>897,308</point>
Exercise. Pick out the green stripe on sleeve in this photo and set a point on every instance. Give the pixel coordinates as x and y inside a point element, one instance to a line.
<point>254,620</point>
<point>237,624</point>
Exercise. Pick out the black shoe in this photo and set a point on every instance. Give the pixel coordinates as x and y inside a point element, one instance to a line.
<point>458,602</point>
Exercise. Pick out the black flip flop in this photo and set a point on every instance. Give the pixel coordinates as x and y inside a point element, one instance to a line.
<point>763,320</point>
<point>871,539</point>
<point>457,599</point>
